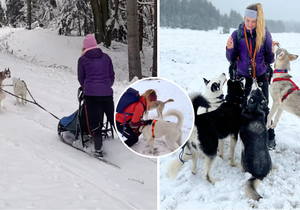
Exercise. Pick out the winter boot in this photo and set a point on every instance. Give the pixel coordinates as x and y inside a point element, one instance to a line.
<point>98,153</point>
<point>97,139</point>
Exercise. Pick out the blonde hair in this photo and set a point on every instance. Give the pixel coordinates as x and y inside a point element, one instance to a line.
<point>146,96</point>
<point>260,24</point>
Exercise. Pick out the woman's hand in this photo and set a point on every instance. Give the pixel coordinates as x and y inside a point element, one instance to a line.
<point>230,44</point>
<point>273,44</point>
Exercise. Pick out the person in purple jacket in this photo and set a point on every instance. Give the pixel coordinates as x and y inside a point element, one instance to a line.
<point>253,52</point>
<point>96,76</point>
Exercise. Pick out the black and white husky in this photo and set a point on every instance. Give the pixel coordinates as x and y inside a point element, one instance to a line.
<point>211,127</point>
<point>213,93</point>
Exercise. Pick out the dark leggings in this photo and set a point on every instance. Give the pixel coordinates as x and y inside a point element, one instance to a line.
<point>263,84</point>
<point>129,133</point>
<point>96,107</point>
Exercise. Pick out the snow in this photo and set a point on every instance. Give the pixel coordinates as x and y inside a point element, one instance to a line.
<point>37,170</point>
<point>165,90</point>
<point>186,56</point>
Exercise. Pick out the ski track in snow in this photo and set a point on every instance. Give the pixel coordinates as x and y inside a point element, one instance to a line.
<point>38,171</point>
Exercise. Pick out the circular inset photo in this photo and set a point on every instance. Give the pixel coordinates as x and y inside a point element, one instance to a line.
<point>154,117</point>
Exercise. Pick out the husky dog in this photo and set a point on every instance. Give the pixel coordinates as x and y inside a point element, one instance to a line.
<point>213,93</point>
<point>3,75</point>
<point>171,131</point>
<point>285,93</point>
<point>159,106</point>
<point>253,132</point>
<point>210,127</point>
<point>20,90</point>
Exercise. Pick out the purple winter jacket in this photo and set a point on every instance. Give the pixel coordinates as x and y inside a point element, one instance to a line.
<point>96,73</point>
<point>264,55</point>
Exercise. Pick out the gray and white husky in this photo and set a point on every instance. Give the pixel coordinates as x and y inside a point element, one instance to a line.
<point>284,92</point>
<point>253,132</point>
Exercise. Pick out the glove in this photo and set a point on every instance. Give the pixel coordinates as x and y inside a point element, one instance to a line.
<point>148,122</point>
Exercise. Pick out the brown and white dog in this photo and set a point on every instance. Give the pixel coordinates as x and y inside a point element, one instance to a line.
<point>284,92</point>
<point>159,106</point>
<point>3,75</point>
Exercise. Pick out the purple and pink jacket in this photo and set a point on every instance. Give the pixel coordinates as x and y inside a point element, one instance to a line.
<point>96,73</point>
<point>264,55</point>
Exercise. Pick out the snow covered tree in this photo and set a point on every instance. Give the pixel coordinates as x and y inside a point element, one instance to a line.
<point>101,15</point>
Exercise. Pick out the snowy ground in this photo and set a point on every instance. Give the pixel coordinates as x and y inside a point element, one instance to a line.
<point>165,90</point>
<point>37,170</point>
<point>186,56</point>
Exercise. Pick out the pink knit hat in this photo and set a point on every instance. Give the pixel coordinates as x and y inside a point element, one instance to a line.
<point>89,41</point>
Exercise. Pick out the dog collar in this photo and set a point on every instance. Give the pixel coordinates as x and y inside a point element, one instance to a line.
<point>280,71</point>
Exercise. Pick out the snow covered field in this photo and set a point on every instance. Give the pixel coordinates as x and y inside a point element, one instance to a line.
<point>186,56</point>
<point>38,171</point>
<point>165,90</point>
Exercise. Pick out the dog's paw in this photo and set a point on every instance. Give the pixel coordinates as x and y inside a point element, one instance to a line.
<point>232,163</point>
<point>273,125</point>
<point>213,181</point>
<point>194,172</point>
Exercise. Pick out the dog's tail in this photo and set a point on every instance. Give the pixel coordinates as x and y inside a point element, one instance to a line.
<point>170,100</point>
<point>177,114</point>
<point>250,188</point>
<point>198,100</point>
<point>173,168</point>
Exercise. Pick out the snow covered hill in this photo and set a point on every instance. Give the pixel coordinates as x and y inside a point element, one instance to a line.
<point>38,171</point>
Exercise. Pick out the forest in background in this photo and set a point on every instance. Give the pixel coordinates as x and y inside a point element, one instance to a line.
<point>76,17</point>
<point>133,23</point>
<point>202,15</point>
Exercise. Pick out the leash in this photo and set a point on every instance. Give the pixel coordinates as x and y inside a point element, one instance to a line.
<point>33,102</point>
<point>181,154</point>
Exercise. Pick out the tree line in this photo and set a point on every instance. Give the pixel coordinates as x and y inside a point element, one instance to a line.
<point>131,22</point>
<point>202,15</point>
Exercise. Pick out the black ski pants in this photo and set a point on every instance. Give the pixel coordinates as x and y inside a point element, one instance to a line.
<point>129,133</point>
<point>96,107</point>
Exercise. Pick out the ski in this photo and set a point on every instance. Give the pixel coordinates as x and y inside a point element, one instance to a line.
<point>107,162</point>
<point>82,150</point>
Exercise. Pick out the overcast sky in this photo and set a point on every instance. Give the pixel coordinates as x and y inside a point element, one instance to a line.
<point>273,9</point>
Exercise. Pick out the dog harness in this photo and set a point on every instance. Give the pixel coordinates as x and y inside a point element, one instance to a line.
<point>152,129</point>
<point>153,124</point>
<point>285,79</point>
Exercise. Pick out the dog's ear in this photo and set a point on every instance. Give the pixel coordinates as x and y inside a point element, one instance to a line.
<point>293,57</point>
<point>206,81</point>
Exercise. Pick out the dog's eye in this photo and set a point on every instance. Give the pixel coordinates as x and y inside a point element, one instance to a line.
<point>251,100</point>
